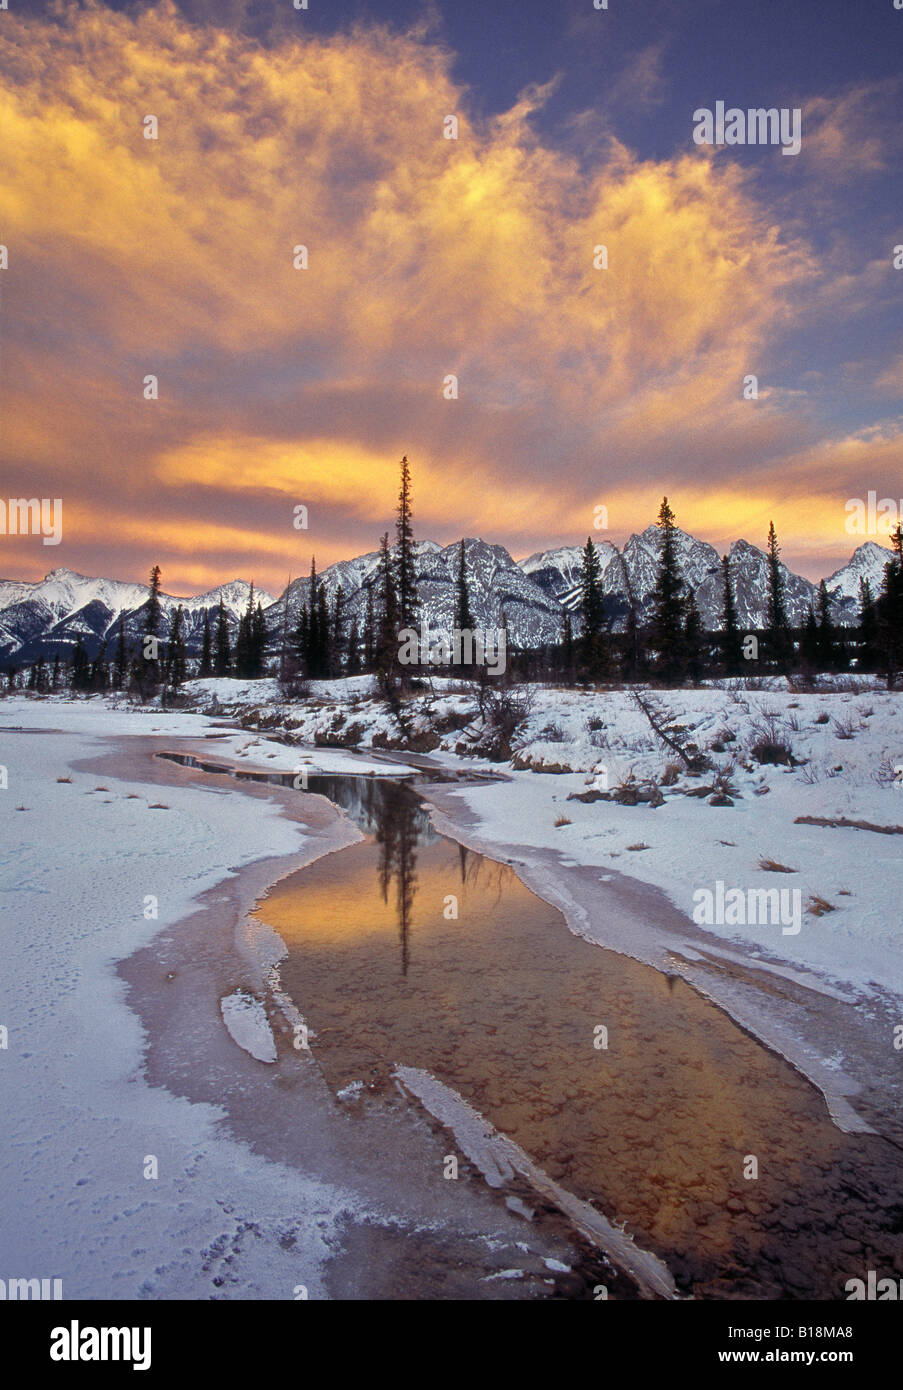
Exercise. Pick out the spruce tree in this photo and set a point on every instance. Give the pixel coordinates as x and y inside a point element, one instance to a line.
<point>667,606</point>
<point>154,613</point>
<point>386,655</point>
<point>370,639</point>
<point>81,671</point>
<point>778,629</point>
<point>147,666</point>
<point>312,654</point>
<point>567,648</point>
<point>324,636</point>
<point>175,651</point>
<point>463,617</point>
<point>242,657</point>
<point>827,639</point>
<point>337,652</point>
<point>692,655</point>
<point>206,666</point>
<point>405,558</point>
<point>731,641</point>
<point>121,662</point>
<point>41,678</point>
<point>592,643</point>
<point>867,629</point>
<point>222,652</point>
<point>98,676</point>
<point>259,640</point>
<point>809,644</point>
<point>302,639</point>
<point>55,678</point>
<point>890,611</point>
<point>353,663</point>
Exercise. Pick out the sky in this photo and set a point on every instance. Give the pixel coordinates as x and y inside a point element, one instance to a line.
<point>579,385</point>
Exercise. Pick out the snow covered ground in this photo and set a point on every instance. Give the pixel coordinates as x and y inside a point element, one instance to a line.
<point>113,1181</point>
<point>80,1128</point>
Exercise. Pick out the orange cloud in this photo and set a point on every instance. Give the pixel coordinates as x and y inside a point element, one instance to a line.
<point>427,257</point>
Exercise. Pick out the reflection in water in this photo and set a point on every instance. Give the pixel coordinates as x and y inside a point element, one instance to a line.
<point>502,1003</point>
<point>397,834</point>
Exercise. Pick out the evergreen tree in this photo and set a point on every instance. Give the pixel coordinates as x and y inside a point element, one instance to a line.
<point>147,665</point>
<point>222,652</point>
<point>692,655</point>
<point>41,680</point>
<point>55,678</point>
<point>780,645</point>
<point>98,676</point>
<point>405,558</point>
<point>337,652</point>
<point>120,664</point>
<point>667,606</point>
<point>827,637</point>
<point>592,644</point>
<point>324,634</point>
<point>206,666</point>
<point>32,676</point>
<point>809,644</point>
<point>314,650</point>
<point>153,615</point>
<point>370,640</point>
<point>731,640</point>
<point>370,631</point>
<point>867,628</point>
<point>241,655</point>
<point>302,638</point>
<point>386,655</point>
<point>632,657</point>
<point>81,670</point>
<point>353,664</point>
<point>463,616</point>
<point>175,651</point>
<point>890,611</point>
<point>259,640</point>
<point>567,647</point>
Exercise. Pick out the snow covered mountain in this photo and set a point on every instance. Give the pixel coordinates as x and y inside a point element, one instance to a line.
<point>50,614</point>
<point>633,572</point>
<point>495,584</point>
<point>532,593</point>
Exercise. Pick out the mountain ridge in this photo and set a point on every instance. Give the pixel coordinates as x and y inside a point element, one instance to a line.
<point>531,595</point>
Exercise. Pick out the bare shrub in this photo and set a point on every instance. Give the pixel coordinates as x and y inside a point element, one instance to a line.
<point>505,713</point>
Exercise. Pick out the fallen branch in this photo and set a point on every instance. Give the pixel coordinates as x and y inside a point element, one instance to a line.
<point>693,763</point>
<point>842,823</point>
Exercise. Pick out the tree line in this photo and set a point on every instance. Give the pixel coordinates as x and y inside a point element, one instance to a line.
<point>668,645</point>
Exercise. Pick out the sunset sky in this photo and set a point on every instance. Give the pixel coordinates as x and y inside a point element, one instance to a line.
<point>428,257</point>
